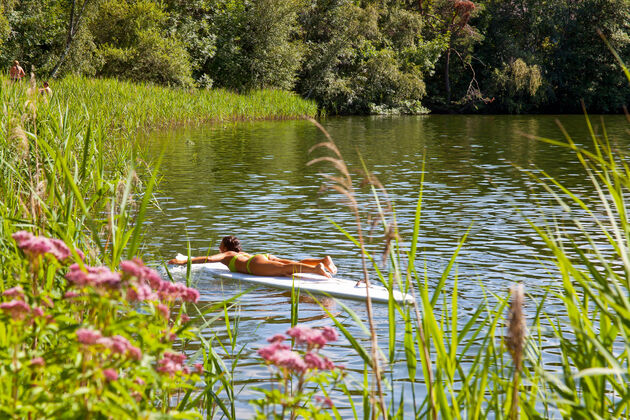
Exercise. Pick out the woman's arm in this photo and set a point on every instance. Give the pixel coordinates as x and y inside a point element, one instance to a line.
<point>198,260</point>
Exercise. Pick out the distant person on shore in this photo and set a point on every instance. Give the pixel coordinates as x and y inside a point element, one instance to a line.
<point>45,90</point>
<point>232,255</point>
<point>16,72</point>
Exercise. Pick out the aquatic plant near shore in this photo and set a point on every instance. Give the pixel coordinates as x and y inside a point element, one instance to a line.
<point>58,340</point>
<point>515,343</point>
<point>69,177</point>
<point>299,372</point>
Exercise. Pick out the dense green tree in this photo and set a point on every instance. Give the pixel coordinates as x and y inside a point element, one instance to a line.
<point>5,28</point>
<point>578,65</point>
<point>36,33</point>
<point>366,58</point>
<point>132,42</point>
<point>191,21</point>
<point>559,41</point>
<point>78,10</point>
<point>257,44</point>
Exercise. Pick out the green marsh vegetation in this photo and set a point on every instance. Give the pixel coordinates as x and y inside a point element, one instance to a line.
<point>87,330</point>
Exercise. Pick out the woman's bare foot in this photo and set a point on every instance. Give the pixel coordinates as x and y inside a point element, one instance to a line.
<point>321,270</point>
<point>330,266</point>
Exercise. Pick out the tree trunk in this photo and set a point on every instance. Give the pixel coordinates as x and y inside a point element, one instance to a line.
<point>447,80</point>
<point>73,27</point>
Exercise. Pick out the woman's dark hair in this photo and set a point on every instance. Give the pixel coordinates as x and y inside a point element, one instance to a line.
<point>231,243</point>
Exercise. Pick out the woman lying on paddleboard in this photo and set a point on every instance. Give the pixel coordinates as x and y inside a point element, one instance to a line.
<point>232,255</point>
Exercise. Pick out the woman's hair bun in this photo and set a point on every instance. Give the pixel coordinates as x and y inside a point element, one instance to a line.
<point>231,243</point>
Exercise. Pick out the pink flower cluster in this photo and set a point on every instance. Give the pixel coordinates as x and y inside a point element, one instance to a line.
<point>142,279</point>
<point>117,344</point>
<point>142,283</point>
<point>313,338</point>
<point>172,363</point>
<point>325,401</point>
<point>19,310</point>
<point>15,292</point>
<point>110,374</point>
<point>39,245</point>
<point>96,277</point>
<point>37,361</point>
<point>281,355</point>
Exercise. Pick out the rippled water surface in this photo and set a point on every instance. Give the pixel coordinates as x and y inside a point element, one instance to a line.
<point>252,180</point>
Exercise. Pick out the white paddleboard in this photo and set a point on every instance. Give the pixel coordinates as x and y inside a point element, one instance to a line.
<point>307,282</point>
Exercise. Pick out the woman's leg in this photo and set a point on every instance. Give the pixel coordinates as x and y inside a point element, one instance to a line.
<point>327,261</point>
<point>261,266</point>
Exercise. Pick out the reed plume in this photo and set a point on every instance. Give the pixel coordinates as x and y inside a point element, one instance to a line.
<point>343,185</point>
<point>515,341</point>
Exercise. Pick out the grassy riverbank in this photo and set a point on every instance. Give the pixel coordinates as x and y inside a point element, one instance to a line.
<point>101,337</point>
<point>129,106</point>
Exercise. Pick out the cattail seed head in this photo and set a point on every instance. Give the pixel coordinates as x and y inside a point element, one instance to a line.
<point>517,328</point>
<point>19,138</point>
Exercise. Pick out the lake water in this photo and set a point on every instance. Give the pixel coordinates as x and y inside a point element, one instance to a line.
<point>252,180</point>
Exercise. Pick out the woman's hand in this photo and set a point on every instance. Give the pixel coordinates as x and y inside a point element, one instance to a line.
<point>175,261</point>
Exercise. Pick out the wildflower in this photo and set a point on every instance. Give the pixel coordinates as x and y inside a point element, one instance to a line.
<point>191,295</point>
<point>171,291</point>
<point>177,357</point>
<point>185,318</point>
<point>268,351</point>
<point>93,276</point>
<point>15,292</point>
<point>289,359</point>
<point>140,292</point>
<point>330,334</point>
<point>39,245</point>
<point>306,335</point>
<point>278,338</point>
<point>17,309</point>
<point>105,342</point>
<point>163,309</point>
<point>281,355</point>
<point>71,295</point>
<point>314,361</point>
<point>171,363</point>
<point>37,311</point>
<point>134,352</point>
<point>325,401</point>
<point>110,374</point>
<point>136,268</point>
<point>87,336</point>
<point>37,361</point>
<point>141,277</point>
<point>119,344</point>
<point>198,368</point>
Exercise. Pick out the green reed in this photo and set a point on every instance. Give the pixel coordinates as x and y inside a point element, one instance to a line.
<point>505,374</point>
<point>65,173</point>
<point>69,170</point>
<point>128,106</point>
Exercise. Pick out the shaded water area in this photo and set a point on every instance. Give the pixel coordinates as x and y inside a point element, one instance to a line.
<point>252,180</point>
